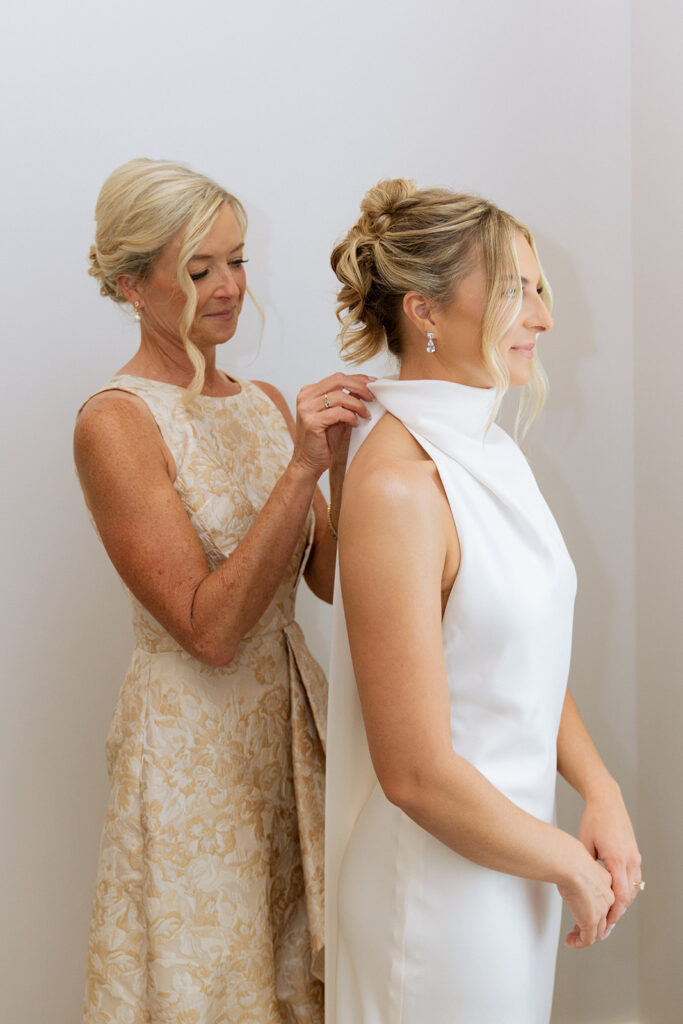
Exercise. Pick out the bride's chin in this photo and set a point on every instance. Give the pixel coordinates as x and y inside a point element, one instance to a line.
<point>519,375</point>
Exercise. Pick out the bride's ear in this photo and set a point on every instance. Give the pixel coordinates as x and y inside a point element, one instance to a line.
<point>418,309</point>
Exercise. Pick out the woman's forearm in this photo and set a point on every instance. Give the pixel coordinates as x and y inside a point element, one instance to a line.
<point>227,603</point>
<point>605,830</point>
<point>459,806</point>
<point>342,399</point>
<point>578,760</point>
<point>321,564</point>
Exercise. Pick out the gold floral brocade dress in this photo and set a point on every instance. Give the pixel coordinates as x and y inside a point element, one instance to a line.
<point>209,896</point>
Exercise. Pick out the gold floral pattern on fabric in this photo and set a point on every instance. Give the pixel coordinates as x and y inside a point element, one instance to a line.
<point>209,896</point>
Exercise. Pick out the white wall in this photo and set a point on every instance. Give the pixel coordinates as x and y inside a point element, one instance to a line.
<point>298,108</point>
<point>658,321</point>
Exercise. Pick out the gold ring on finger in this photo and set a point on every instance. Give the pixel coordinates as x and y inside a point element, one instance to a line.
<point>326,400</point>
<point>640,885</point>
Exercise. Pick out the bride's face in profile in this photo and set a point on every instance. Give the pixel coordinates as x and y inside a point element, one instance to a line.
<point>459,324</point>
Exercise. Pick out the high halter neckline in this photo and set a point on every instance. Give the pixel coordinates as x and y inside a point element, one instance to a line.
<point>433,406</point>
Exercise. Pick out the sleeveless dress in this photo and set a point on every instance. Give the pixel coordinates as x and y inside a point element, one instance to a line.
<point>209,894</point>
<point>415,932</point>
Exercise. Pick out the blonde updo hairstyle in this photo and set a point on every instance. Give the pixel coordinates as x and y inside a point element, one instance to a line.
<point>141,206</point>
<point>427,240</point>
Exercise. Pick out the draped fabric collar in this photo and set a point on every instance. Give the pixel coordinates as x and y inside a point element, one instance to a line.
<point>455,420</point>
<point>437,409</point>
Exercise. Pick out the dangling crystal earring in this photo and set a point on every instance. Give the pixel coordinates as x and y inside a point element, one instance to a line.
<point>136,312</point>
<point>431,347</point>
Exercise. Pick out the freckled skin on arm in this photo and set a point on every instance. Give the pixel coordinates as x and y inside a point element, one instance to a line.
<point>127,472</point>
<point>124,473</point>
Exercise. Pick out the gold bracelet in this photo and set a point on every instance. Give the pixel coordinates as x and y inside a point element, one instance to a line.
<point>330,526</point>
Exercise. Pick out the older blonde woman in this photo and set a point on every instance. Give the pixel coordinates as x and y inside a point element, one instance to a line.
<point>449,709</point>
<point>208,903</point>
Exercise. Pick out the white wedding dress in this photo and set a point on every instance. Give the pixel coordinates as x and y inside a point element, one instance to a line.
<point>416,934</point>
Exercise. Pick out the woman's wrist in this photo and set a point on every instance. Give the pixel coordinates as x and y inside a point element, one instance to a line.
<point>301,475</point>
<point>599,787</point>
<point>572,861</point>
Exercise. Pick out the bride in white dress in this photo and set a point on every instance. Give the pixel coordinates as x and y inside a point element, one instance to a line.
<point>449,711</point>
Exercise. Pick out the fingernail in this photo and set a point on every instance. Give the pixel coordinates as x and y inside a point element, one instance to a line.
<point>608,932</point>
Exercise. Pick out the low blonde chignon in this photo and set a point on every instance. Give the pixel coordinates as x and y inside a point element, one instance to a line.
<point>141,206</point>
<point>427,240</point>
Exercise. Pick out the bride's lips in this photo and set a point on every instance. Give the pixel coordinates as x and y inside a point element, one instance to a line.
<point>525,350</point>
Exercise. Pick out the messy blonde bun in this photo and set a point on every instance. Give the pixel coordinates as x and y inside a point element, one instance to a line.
<point>427,240</point>
<point>141,206</point>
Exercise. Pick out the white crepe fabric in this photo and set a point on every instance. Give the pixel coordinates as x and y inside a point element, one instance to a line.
<point>415,932</point>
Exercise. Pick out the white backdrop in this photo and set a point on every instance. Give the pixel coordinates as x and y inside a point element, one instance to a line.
<point>297,108</point>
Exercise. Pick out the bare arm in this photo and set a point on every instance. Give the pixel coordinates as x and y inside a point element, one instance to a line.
<point>393,613</point>
<point>124,471</point>
<point>319,572</point>
<point>606,829</point>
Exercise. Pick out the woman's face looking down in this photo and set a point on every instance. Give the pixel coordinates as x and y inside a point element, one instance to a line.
<point>217,269</point>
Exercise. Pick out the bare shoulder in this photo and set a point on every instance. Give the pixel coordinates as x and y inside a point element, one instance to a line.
<point>115,428</point>
<point>393,501</point>
<point>392,479</point>
<point>112,410</point>
<point>390,457</point>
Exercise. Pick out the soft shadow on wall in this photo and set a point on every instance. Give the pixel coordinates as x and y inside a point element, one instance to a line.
<point>561,448</point>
